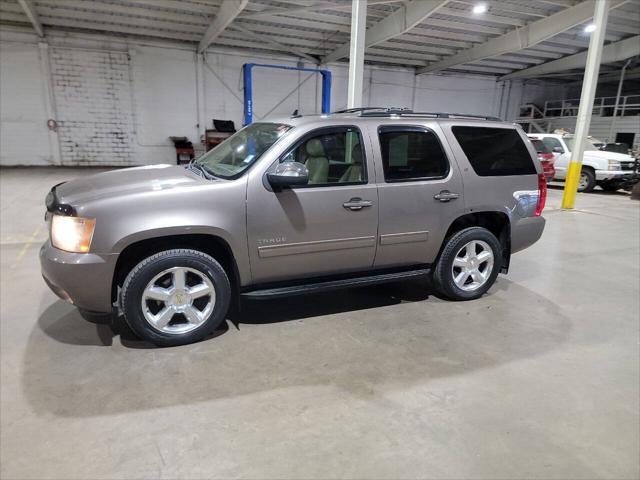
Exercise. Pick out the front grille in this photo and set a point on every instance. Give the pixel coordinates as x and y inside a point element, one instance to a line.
<point>628,165</point>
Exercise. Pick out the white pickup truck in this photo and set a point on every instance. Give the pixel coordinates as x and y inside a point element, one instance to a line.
<point>610,170</point>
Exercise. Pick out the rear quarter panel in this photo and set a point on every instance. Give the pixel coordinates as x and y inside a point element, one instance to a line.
<point>515,195</point>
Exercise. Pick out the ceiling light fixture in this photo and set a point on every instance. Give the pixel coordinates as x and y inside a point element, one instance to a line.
<point>590,28</point>
<point>479,8</point>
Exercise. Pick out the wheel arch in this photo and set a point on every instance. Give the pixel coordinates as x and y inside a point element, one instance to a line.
<point>213,245</point>
<point>496,222</point>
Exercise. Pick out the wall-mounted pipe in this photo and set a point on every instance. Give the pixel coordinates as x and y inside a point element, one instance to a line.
<point>615,109</point>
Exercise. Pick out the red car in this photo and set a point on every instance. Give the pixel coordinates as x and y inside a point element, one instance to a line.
<point>546,157</point>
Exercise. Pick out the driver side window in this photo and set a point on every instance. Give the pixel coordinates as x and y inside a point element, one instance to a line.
<point>331,157</point>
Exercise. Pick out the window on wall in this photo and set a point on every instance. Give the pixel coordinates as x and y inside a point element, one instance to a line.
<point>331,157</point>
<point>411,153</point>
<point>495,152</point>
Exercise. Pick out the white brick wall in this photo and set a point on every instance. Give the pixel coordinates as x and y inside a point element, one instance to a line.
<point>117,101</point>
<point>93,98</point>
<point>23,118</point>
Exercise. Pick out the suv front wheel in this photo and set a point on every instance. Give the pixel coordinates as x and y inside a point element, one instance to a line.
<point>468,265</point>
<point>176,297</point>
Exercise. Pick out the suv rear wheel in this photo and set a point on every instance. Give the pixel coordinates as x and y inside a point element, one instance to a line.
<point>176,297</point>
<point>469,264</point>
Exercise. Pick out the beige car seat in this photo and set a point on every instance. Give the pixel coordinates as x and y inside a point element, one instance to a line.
<point>316,163</point>
<point>354,172</point>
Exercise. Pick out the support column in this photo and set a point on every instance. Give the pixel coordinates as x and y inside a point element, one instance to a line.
<point>200,94</point>
<point>356,53</point>
<point>585,108</point>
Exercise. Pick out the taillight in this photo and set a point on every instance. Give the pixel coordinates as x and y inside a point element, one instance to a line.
<point>542,194</point>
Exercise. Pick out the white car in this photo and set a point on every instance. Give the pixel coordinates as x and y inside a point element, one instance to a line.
<point>610,170</point>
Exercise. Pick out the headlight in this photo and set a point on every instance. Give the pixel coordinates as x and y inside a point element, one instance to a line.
<point>72,234</point>
<point>614,165</point>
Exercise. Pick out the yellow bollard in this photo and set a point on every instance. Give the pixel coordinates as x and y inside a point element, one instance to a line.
<point>571,185</point>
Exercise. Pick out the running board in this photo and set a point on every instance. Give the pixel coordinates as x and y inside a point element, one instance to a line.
<point>329,285</point>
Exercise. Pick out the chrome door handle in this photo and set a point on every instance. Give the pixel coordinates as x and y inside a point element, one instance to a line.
<point>357,204</point>
<point>446,196</point>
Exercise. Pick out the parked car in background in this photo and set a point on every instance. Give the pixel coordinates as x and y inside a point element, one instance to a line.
<point>610,170</point>
<point>546,156</point>
<point>293,206</point>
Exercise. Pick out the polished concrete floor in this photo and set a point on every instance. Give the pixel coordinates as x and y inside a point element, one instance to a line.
<point>538,379</point>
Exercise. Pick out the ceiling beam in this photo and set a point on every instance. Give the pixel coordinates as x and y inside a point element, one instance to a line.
<point>309,8</point>
<point>266,39</point>
<point>30,11</point>
<point>226,14</point>
<point>633,74</point>
<point>523,37</point>
<point>488,17</point>
<point>614,52</point>
<point>405,18</point>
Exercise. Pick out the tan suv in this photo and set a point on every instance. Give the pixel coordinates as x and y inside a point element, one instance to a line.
<point>293,206</point>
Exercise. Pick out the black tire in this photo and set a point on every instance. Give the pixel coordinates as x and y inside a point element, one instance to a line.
<point>443,276</point>
<point>137,280</point>
<point>590,177</point>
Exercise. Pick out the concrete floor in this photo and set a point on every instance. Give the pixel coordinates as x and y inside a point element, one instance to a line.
<point>538,379</point>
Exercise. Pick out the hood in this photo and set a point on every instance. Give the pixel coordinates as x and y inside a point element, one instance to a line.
<point>126,181</point>
<point>621,157</point>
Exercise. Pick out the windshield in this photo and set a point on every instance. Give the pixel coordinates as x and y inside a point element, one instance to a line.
<point>588,145</point>
<point>540,147</point>
<point>237,153</point>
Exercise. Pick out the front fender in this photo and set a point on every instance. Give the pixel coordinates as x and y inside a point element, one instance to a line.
<point>217,209</point>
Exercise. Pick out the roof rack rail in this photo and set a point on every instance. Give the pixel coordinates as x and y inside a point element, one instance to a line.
<point>404,111</point>
<point>358,110</point>
<point>410,113</point>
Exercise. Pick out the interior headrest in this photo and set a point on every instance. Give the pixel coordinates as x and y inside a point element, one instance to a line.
<point>356,154</point>
<point>315,148</point>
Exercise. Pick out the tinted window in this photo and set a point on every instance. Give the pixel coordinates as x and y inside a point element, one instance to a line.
<point>331,157</point>
<point>495,151</point>
<point>411,154</point>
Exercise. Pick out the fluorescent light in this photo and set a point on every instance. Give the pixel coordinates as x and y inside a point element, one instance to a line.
<point>590,28</point>
<point>479,8</point>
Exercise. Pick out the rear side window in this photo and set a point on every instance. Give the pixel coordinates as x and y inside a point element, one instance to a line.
<point>411,153</point>
<point>495,152</point>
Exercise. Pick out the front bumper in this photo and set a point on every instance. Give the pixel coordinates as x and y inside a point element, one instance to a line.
<point>613,175</point>
<point>624,181</point>
<point>83,279</point>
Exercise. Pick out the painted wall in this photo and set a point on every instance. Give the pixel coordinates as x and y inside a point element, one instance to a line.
<point>117,101</point>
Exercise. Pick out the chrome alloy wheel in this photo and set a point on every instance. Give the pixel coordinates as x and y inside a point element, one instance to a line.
<point>178,300</point>
<point>472,265</point>
<point>583,182</point>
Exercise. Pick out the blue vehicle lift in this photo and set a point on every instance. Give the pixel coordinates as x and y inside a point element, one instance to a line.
<point>248,87</point>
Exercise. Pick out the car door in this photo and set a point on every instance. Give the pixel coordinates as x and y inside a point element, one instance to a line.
<point>326,227</point>
<point>419,191</point>
<point>562,157</point>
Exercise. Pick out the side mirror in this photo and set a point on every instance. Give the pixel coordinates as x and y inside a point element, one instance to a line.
<point>558,150</point>
<point>288,174</point>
